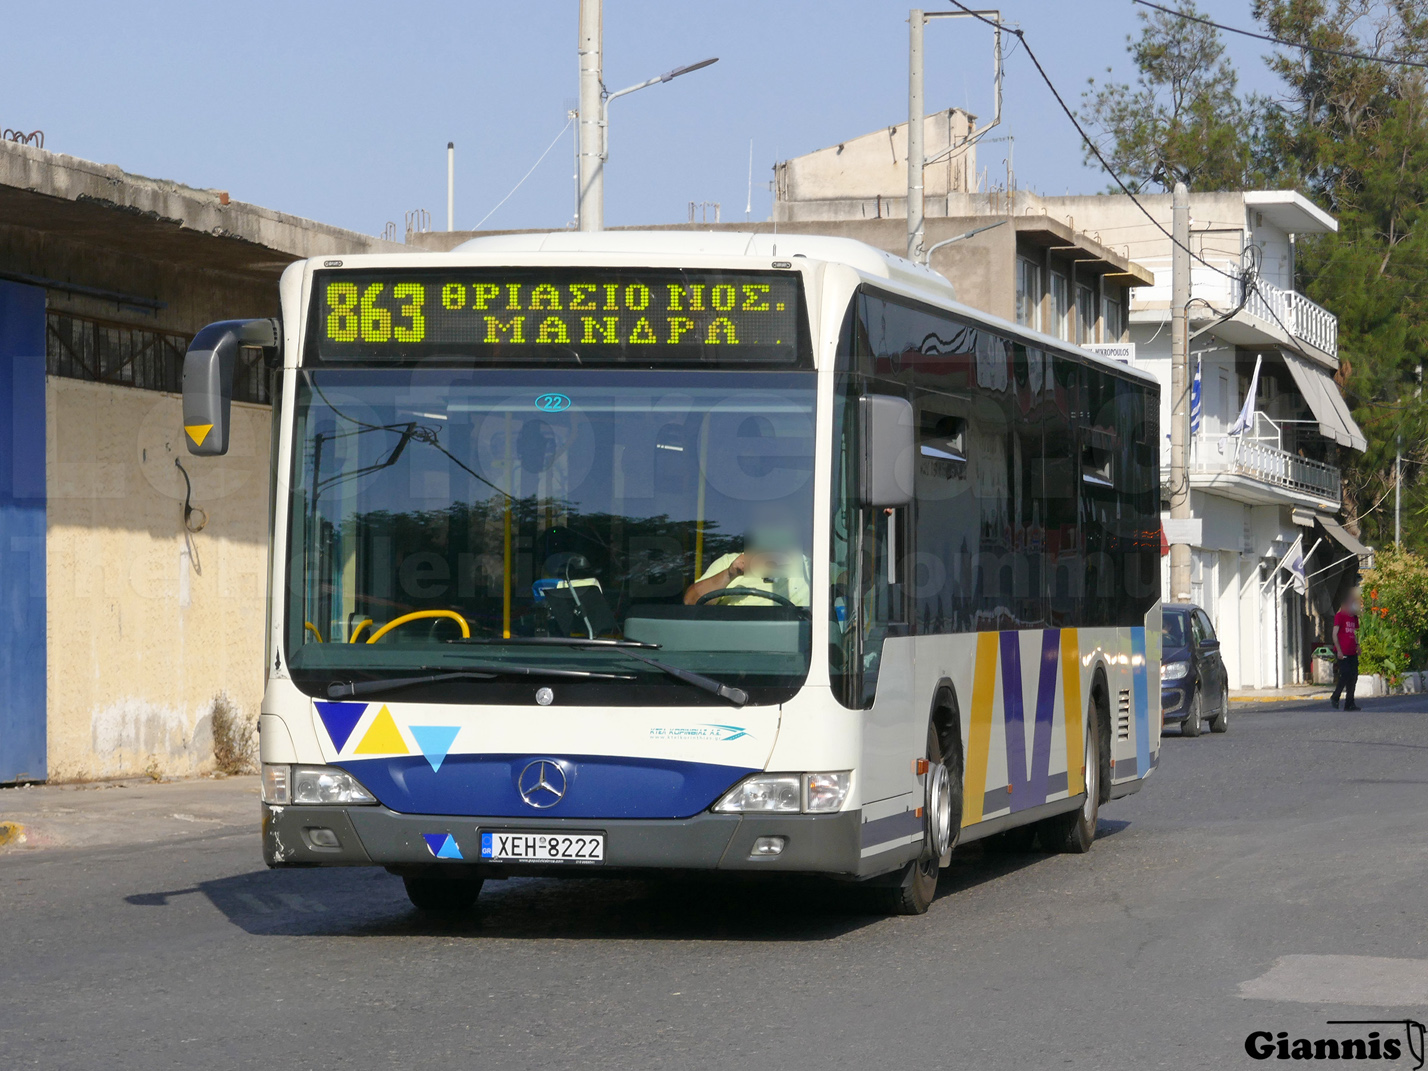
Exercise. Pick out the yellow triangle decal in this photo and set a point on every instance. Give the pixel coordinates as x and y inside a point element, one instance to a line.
<point>198,432</point>
<point>382,737</point>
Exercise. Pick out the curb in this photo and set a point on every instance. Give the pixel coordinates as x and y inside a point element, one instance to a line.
<point>1278,698</point>
<point>11,833</point>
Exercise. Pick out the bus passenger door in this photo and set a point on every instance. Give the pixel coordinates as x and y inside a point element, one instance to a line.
<point>888,658</point>
<point>872,659</point>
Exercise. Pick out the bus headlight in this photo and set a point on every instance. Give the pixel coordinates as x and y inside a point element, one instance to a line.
<point>826,792</point>
<point>274,783</point>
<point>764,792</point>
<point>1174,671</point>
<point>318,784</point>
<point>811,793</point>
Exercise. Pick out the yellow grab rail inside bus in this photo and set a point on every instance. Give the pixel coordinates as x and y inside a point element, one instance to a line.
<point>417,616</point>
<point>356,632</point>
<point>313,629</point>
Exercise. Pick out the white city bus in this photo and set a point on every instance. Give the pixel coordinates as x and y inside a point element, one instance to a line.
<point>689,552</point>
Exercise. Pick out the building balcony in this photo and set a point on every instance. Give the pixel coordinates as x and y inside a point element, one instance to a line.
<point>1260,473</point>
<point>1272,316</point>
<point>1304,319</point>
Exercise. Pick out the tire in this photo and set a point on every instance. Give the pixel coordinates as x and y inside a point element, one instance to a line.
<point>442,895</point>
<point>917,884</point>
<point>1075,831</point>
<point>1191,726</point>
<point>1220,723</point>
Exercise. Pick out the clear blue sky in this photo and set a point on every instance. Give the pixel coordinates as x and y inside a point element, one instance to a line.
<point>342,112</point>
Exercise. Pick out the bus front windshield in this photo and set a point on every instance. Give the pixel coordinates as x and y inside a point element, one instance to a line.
<point>506,519</point>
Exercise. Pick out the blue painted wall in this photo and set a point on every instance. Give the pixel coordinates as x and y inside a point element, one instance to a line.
<point>22,533</point>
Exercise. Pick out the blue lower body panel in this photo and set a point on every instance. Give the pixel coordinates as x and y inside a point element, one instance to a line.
<point>571,786</point>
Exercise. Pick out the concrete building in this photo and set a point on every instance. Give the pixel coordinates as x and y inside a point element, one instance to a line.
<point>866,177</point>
<point>126,617</point>
<point>1095,271</point>
<point>1258,494</point>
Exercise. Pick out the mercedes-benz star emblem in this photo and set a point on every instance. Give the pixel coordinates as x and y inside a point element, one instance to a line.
<point>542,783</point>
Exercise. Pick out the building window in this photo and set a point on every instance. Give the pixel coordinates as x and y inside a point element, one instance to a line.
<point>1113,313</point>
<point>132,355</point>
<point>1061,306</point>
<point>1085,315</point>
<point>1028,293</point>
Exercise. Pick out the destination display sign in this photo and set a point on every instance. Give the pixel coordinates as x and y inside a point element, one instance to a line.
<point>582,315</point>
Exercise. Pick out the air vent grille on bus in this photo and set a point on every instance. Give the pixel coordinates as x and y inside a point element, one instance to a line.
<point>1123,716</point>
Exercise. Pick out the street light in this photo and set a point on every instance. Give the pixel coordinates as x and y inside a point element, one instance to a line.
<point>961,237</point>
<point>592,199</point>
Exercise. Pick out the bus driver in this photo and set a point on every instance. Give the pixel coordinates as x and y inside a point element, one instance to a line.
<point>771,561</point>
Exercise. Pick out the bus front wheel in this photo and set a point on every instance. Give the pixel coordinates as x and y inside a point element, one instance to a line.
<point>442,895</point>
<point>942,810</point>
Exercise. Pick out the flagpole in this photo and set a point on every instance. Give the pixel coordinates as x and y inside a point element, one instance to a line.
<point>1280,564</point>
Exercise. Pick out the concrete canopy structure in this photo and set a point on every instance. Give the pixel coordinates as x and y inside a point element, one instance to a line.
<point>122,632</point>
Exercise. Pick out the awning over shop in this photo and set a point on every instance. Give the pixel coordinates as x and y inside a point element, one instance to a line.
<point>1339,534</point>
<point>1325,401</point>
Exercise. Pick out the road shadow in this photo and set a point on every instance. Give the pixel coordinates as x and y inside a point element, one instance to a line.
<point>366,902</point>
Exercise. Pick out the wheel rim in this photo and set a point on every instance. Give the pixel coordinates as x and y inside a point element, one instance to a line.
<point>939,809</point>
<point>1093,775</point>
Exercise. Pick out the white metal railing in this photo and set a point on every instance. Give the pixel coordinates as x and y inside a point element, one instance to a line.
<point>1261,461</point>
<point>1301,317</point>
<point>1313,323</point>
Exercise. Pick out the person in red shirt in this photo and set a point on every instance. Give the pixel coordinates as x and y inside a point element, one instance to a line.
<point>1346,648</point>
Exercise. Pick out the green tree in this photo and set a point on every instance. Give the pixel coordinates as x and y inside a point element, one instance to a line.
<point>1183,120</point>
<point>1354,133</point>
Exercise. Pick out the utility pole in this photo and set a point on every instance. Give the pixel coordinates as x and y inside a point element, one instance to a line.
<point>917,161</point>
<point>917,22</point>
<point>1180,388</point>
<point>1398,493</point>
<point>451,185</point>
<point>592,148</point>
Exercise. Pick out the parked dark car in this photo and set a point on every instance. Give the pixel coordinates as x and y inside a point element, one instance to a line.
<point>1194,686</point>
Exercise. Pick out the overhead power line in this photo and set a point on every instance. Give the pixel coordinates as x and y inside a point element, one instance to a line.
<point>1248,280</point>
<point>1020,35</point>
<point>1282,41</point>
<point>528,174</point>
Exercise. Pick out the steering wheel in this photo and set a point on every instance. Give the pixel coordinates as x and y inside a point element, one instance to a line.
<point>773,596</point>
<point>420,615</point>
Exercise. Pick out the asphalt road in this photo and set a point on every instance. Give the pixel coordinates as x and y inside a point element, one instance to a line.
<point>1268,879</point>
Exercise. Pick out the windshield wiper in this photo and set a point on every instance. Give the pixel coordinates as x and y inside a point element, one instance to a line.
<point>737,696</point>
<point>553,641</point>
<point>346,689</point>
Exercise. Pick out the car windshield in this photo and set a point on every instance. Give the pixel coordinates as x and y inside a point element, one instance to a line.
<point>1173,629</point>
<point>449,517</point>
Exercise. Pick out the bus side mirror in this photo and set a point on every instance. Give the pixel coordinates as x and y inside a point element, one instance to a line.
<point>887,450</point>
<point>208,379</point>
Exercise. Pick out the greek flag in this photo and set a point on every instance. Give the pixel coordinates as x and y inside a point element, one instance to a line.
<point>1195,401</point>
<point>1294,565</point>
<point>1245,421</point>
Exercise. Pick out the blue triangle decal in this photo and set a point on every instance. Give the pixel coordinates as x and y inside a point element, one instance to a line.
<point>339,719</point>
<point>435,741</point>
<point>449,850</point>
<point>436,842</point>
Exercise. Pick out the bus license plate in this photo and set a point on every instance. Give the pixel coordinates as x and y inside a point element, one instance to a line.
<point>531,847</point>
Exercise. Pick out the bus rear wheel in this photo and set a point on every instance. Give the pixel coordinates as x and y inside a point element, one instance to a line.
<point>1074,831</point>
<point>442,895</point>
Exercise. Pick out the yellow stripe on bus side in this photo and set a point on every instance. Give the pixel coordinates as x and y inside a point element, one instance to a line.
<point>1071,700</point>
<point>979,732</point>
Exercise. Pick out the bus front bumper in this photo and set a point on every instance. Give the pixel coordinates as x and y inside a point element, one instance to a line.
<point>305,836</point>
